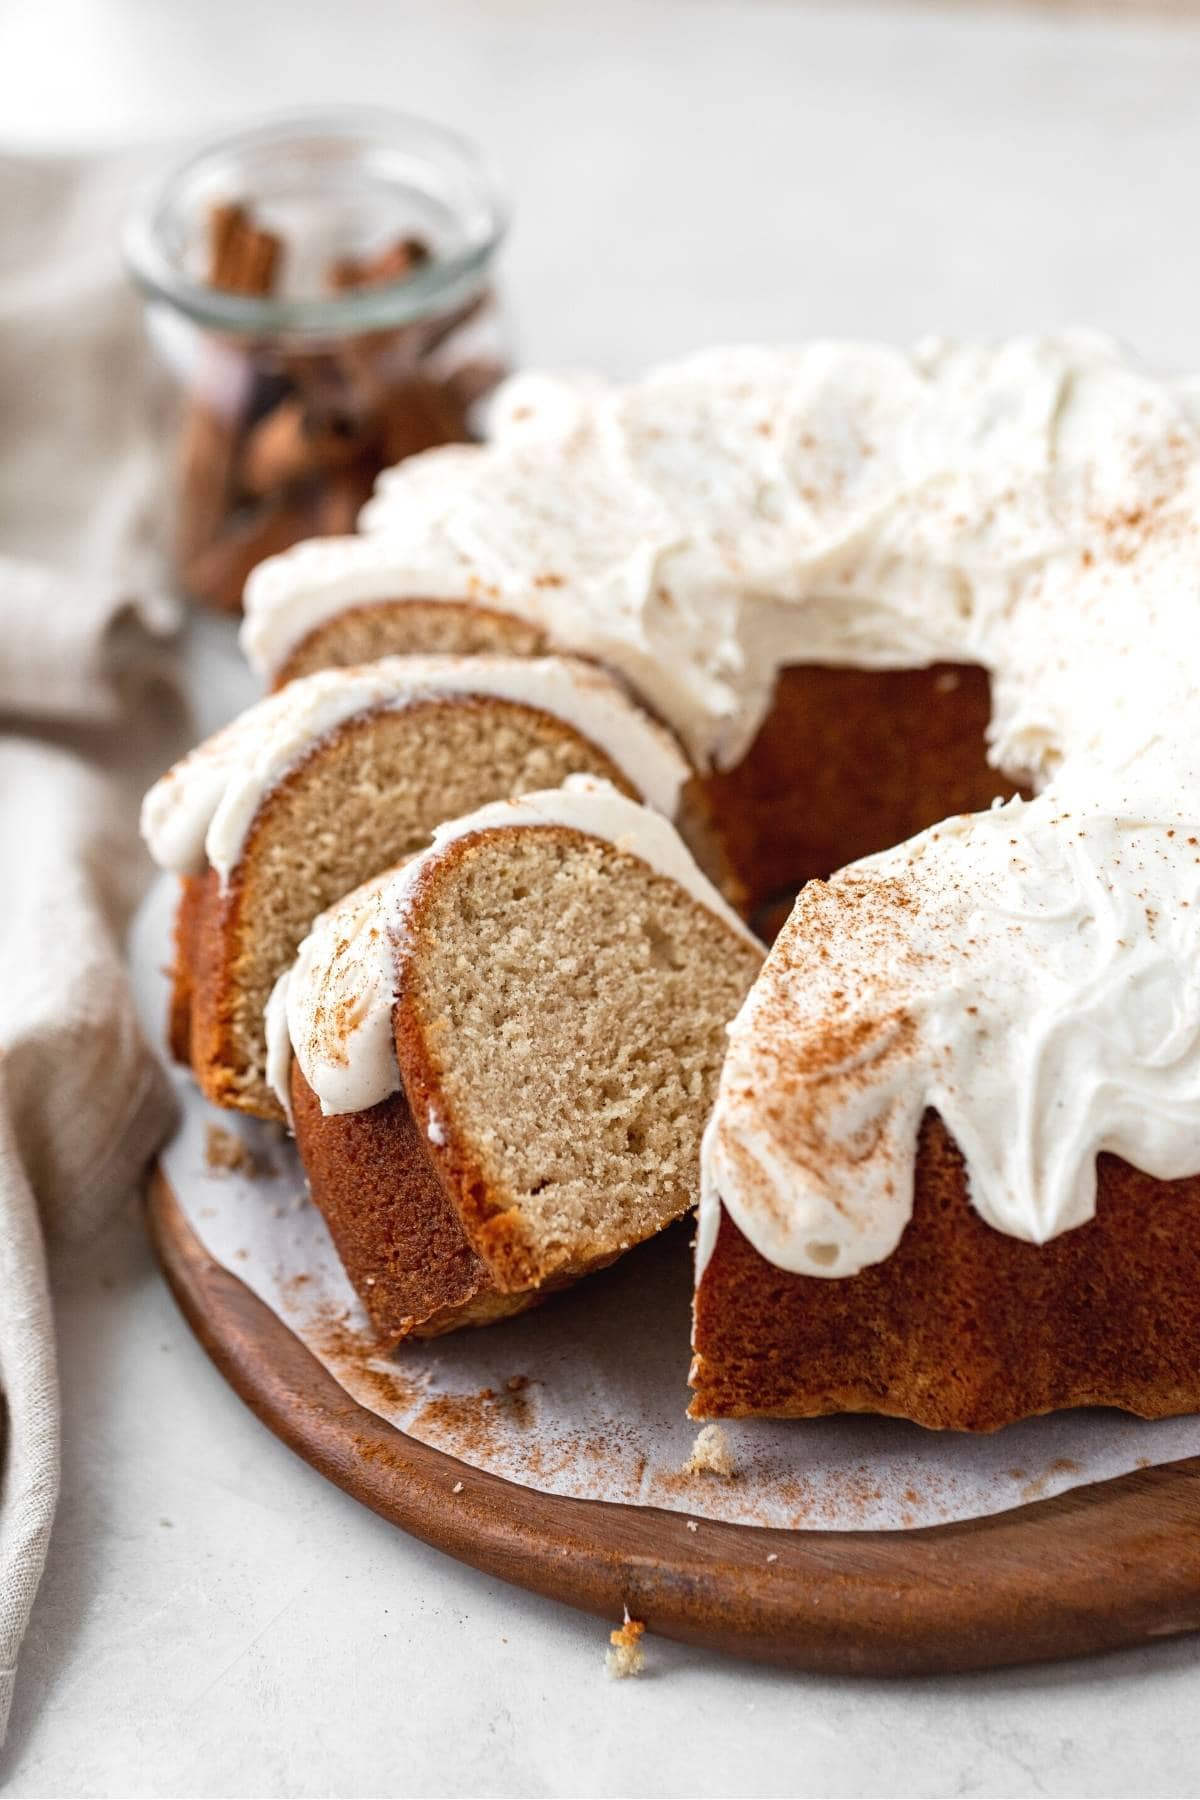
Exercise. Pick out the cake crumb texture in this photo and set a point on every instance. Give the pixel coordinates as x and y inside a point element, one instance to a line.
<point>711,1455</point>
<point>565,1011</point>
<point>365,798</point>
<point>226,1154</point>
<point>625,1655</point>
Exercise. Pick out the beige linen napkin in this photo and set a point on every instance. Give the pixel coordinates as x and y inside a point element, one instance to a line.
<point>83,1102</point>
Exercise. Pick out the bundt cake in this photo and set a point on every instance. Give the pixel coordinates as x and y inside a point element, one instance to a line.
<point>698,532</point>
<point>499,1059</point>
<point>342,775</point>
<point>954,1167</point>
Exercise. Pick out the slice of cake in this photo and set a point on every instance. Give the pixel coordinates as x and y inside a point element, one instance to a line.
<point>344,774</point>
<point>500,1058</point>
<point>410,627</point>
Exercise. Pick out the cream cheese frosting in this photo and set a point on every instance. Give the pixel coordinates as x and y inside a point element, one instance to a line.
<point>1032,974</point>
<point>202,809</point>
<point>333,1008</point>
<point>750,508</point>
<point>1032,507</point>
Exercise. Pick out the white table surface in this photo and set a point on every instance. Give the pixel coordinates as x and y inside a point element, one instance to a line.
<point>217,1620</point>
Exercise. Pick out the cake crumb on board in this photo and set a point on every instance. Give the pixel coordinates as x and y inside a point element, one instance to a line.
<point>711,1455</point>
<point>625,1655</point>
<point>226,1154</point>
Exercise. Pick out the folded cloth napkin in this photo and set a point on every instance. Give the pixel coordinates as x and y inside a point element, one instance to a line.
<point>85,716</point>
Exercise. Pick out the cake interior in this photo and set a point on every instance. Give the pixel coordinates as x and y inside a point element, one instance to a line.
<point>363,634</point>
<point>364,799</point>
<point>848,761</point>
<point>568,1008</point>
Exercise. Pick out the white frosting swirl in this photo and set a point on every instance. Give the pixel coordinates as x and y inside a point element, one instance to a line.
<point>333,1007</point>
<point>1031,507</point>
<point>202,809</point>
<point>746,509</point>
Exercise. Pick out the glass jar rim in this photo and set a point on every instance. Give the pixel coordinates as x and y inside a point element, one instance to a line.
<point>442,281</point>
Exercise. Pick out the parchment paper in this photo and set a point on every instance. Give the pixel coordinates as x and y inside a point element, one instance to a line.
<point>586,1396</point>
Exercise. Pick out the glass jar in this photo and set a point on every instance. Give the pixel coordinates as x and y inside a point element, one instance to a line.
<point>320,290</point>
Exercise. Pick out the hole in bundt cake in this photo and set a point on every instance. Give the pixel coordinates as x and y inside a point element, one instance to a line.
<point>848,762</point>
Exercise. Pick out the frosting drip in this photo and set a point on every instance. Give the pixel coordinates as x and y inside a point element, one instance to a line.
<point>333,1008</point>
<point>201,811</point>
<point>1032,974</point>
<point>1031,507</point>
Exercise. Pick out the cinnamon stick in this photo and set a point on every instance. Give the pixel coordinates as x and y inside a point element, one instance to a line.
<point>244,260</point>
<point>393,263</point>
<point>294,443</point>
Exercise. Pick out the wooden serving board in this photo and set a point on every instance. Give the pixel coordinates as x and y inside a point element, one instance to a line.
<point>1101,1567</point>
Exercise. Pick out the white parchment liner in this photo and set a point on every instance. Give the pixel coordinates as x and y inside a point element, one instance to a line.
<point>587,1395</point>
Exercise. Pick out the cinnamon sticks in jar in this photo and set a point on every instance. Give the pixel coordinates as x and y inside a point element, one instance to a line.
<point>282,440</point>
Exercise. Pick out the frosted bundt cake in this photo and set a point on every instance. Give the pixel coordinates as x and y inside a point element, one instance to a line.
<point>338,777</point>
<point>833,571</point>
<point>954,1163</point>
<point>499,1059</point>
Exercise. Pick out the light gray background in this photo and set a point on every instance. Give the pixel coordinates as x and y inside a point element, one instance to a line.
<point>215,1619</point>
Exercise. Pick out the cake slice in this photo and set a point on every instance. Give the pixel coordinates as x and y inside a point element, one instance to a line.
<point>409,627</point>
<point>500,1058</point>
<point>339,776</point>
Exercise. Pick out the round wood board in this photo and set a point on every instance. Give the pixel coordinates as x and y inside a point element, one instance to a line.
<point>1113,1564</point>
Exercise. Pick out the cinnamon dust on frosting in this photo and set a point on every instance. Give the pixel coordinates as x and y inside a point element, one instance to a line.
<point>1027,999</point>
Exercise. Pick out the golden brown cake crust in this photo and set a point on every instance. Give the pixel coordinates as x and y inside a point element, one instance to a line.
<point>395,1229</point>
<point>205,925</point>
<point>396,1218</point>
<point>964,1327</point>
<point>188,909</point>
